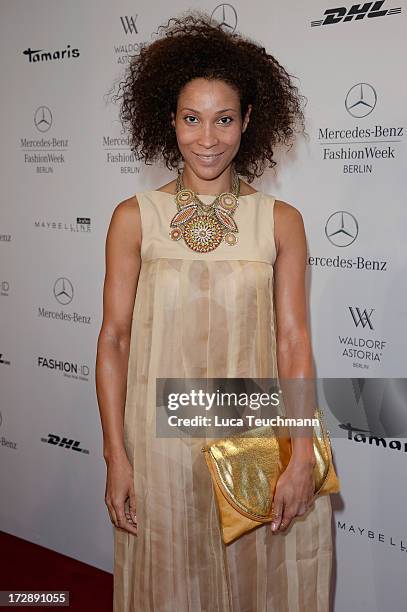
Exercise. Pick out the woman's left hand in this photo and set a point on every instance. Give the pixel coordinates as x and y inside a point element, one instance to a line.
<point>294,492</point>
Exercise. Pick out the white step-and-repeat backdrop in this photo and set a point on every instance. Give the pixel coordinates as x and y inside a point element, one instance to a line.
<point>66,164</point>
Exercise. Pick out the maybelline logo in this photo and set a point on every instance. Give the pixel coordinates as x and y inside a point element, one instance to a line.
<point>67,368</point>
<point>3,360</point>
<point>124,51</point>
<point>356,12</point>
<point>44,153</point>
<point>64,442</point>
<point>365,350</point>
<point>4,288</point>
<point>39,55</point>
<point>82,225</point>
<point>360,146</point>
<point>4,442</point>
<point>63,293</point>
<point>376,536</point>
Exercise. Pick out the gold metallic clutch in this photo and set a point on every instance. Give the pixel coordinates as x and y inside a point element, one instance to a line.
<point>245,469</point>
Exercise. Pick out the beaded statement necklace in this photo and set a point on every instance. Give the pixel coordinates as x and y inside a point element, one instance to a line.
<point>205,226</point>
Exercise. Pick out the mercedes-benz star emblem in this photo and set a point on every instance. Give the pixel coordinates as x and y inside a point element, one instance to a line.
<point>43,119</point>
<point>63,291</point>
<point>341,229</point>
<point>360,100</point>
<point>226,15</point>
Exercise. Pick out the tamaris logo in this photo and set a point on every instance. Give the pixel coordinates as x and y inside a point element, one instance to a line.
<point>39,55</point>
<point>356,12</point>
<point>367,437</point>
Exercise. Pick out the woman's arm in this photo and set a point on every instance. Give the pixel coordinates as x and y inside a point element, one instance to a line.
<point>294,356</point>
<point>120,285</point>
<point>294,352</point>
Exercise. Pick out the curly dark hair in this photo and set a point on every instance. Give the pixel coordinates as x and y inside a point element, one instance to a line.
<point>195,46</point>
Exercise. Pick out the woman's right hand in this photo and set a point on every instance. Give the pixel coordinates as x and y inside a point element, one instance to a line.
<point>119,489</point>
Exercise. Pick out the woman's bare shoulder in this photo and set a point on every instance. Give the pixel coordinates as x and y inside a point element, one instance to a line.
<point>288,222</point>
<point>126,220</point>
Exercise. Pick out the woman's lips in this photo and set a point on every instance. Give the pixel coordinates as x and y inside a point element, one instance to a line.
<point>209,158</point>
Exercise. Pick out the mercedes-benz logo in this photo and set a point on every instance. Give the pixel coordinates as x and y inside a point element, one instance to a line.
<point>341,229</point>
<point>226,16</point>
<point>63,291</point>
<point>43,119</point>
<point>360,100</point>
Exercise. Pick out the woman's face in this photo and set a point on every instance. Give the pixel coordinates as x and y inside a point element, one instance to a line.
<point>208,126</point>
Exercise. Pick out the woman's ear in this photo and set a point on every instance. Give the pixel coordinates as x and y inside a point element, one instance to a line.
<point>247,117</point>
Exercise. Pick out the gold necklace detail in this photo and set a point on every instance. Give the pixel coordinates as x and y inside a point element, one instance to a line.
<point>204,226</point>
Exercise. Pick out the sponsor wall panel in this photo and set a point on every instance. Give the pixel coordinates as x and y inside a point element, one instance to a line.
<point>67,164</point>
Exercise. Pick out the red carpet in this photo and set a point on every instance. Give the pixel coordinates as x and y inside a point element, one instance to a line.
<point>27,566</point>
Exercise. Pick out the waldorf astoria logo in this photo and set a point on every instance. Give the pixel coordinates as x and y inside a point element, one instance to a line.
<point>356,12</point>
<point>365,350</point>
<point>130,45</point>
<point>129,24</point>
<point>362,318</point>
<point>35,56</point>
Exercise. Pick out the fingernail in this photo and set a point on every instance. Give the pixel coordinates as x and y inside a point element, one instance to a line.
<point>273,526</point>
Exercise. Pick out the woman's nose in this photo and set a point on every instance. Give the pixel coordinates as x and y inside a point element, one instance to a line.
<point>207,136</point>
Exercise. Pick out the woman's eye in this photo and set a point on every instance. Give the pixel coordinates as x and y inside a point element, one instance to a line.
<point>228,119</point>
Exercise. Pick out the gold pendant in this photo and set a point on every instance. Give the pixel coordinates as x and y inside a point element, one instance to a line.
<point>204,226</point>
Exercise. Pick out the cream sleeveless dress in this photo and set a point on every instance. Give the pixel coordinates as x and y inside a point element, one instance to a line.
<point>200,315</point>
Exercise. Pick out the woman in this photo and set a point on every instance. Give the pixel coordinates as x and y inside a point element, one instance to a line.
<point>223,297</point>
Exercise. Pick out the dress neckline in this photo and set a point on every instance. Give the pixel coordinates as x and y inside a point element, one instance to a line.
<point>204,195</point>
